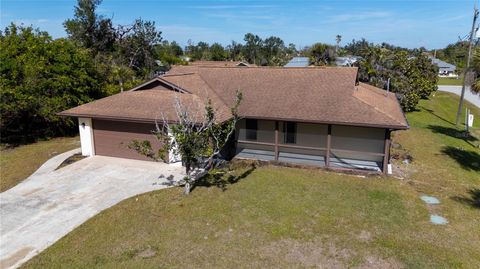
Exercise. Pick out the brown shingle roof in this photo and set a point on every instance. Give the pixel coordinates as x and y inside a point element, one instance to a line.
<point>382,101</point>
<point>146,106</point>
<point>326,95</point>
<point>323,95</point>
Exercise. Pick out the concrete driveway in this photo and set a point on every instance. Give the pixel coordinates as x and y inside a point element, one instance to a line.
<point>51,203</point>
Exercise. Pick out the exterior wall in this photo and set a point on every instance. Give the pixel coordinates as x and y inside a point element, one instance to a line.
<point>86,136</point>
<point>358,139</point>
<point>172,156</point>
<point>111,138</point>
<point>265,134</point>
<point>308,134</point>
<point>265,131</point>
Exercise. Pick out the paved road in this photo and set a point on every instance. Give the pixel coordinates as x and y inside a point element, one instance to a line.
<point>51,203</point>
<point>469,96</point>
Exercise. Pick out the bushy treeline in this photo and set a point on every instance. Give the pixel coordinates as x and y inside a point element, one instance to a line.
<point>409,73</point>
<point>270,51</point>
<point>41,76</point>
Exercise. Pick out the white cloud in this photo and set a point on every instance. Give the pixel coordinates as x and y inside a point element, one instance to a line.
<point>231,6</point>
<point>359,16</point>
<point>240,16</point>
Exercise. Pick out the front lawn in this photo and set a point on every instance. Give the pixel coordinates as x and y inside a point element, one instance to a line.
<point>19,162</point>
<point>274,217</point>
<point>450,81</point>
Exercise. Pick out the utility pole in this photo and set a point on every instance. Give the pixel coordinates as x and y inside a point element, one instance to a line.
<point>467,67</point>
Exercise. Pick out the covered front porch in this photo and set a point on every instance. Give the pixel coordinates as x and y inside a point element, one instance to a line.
<point>323,145</point>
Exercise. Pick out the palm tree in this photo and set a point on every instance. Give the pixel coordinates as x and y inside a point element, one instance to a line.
<point>476,70</point>
<point>338,39</point>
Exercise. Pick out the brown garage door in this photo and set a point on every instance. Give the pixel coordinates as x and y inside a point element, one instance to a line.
<point>111,138</point>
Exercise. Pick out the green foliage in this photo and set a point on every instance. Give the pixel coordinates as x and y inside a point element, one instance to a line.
<point>274,51</point>
<point>454,53</point>
<point>270,51</point>
<point>475,71</point>
<point>136,45</point>
<point>411,74</point>
<point>321,54</point>
<point>234,51</point>
<point>145,148</point>
<point>252,48</point>
<point>217,52</point>
<point>194,141</point>
<point>169,53</point>
<point>197,52</point>
<point>90,30</point>
<point>122,53</point>
<point>422,75</point>
<point>40,77</point>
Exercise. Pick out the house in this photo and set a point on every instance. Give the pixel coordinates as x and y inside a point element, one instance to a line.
<point>298,62</point>
<point>317,116</point>
<point>444,69</point>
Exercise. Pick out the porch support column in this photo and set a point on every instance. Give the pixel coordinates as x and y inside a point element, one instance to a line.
<point>276,140</point>
<point>386,155</point>
<point>329,146</point>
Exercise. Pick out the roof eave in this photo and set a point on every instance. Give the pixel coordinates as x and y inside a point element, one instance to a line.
<point>371,125</point>
<point>119,118</point>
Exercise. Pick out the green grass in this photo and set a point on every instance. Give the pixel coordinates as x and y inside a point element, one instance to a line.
<point>274,217</point>
<point>450,81</point>
<point>19,162</point>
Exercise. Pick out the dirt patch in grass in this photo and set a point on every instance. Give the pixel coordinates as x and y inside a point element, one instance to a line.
<point>364,236</point>
<point>318,253</point>
<point>146,253</point>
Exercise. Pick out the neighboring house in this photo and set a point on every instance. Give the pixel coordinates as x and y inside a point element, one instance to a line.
<point>444,69</point>
<point>347,60</point>
<point>298,62</point>
<point>307,116</point>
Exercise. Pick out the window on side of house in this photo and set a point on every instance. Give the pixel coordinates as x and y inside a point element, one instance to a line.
<point>252,126</point>
<point>290,131</point>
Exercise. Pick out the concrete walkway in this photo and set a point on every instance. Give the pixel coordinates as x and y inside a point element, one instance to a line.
<point>51,203</point>
<point>469,96</point>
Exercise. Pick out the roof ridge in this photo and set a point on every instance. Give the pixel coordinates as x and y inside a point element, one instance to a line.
<point>209,90</point>
<point>177,74</point>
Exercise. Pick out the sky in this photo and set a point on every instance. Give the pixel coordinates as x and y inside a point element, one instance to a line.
<point>406,23</point>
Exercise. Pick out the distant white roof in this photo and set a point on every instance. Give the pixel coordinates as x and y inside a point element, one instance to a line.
<point>443,65</point>
<point>298,62</point>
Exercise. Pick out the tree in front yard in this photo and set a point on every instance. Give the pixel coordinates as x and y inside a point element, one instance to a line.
<point>197,139</point>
